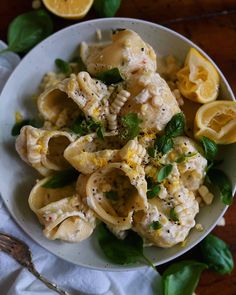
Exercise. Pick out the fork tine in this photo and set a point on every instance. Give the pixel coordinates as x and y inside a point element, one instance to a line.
<point>5,247</point>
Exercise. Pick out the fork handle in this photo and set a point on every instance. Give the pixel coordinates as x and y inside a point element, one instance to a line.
<point>49,284</point>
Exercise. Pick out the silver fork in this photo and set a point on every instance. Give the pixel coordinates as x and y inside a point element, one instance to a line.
<point>22,254</point>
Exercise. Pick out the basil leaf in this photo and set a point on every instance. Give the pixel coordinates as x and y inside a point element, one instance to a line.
<point>181,278</point>
<point>130,123</point>
<point>164,172</point>
<point>216,254</point>
<point>63,66</point>
<point>184,158</point>
<point>210,148</point>
<point>61,179</point>
<point>155,225</point>
<point>79,126</point>
<point>152,152</point>
<point>109,77</point>
<point>153,192</point>
<point>173,215</point>
<point>17,126</point>
<point>106,8</point>
<point>101,132</point>
<point>80,63</point>
<point>175,127</point>
<point>129,250</point>
<point>163,144</point>
<point>219,179</point>
<point>28,29</point>
<point>111,195</point>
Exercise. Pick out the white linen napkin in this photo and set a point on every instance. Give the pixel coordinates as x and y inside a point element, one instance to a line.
<point>16,280</point>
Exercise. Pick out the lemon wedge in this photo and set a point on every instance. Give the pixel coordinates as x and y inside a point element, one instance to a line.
<point>217,121</point>
<point>71,9</point>
<point>198,80</point>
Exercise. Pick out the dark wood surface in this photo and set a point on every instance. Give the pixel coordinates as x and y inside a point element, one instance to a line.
<point>205,22</point>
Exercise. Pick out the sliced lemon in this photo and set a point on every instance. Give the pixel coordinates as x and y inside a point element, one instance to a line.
<point>198,80</point>
<point>72,9</point>
<point>217,121</point>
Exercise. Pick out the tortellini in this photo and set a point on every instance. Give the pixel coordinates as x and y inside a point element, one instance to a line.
<point>115,192</point>
<point>152,99</point>
<point>62,212</point>
<point>62,103</point>
<point>88,153</point>
<point>173,196</point>
<point>43,149</point>
<point>127,52</point>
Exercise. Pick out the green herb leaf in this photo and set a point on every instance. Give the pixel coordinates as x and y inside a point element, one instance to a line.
<point>181,278</point>
<point>17,126</point>
<point>184,158</point>
<point>175,127</point>
<point>101,132</point>
<point>154,191</point>
<point>155,225</point>
<point>219,179</point>
<point>80,63</point>
<point>109,77</point>
<point>130,123</point>
<point>173,215</point>
<point>164,172</point>
<point>163,144</point>
<point>111,195</point>
<point>129,250</point>
<point>63,66</point>
<point>28,29</point>
<point>152,152</point>
<point>82,127</point>
<point>210,148</point>
<point>61,179</point>
<point>106,8</point>
<point>216,254</point>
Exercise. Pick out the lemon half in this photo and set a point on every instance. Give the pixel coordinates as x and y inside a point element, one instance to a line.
<point>72,9</point>
<point>198,80</point>
<point>217,121</point>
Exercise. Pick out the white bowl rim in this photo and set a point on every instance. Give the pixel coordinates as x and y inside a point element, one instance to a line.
<point>205,233</point>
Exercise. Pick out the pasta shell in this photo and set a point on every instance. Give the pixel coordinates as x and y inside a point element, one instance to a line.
<point>43,149</point>
<point>131,195</point>
<point>128,52</point>
<point>62,213</point>
<point>88,153</point>
<point>55,106</point>
<point>171,232</point>
<point>152,99</point>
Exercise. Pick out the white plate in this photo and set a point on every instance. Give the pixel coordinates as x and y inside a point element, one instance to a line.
<point>16,178</point>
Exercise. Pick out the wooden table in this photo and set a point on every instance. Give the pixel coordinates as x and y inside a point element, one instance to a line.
<point>205,23</point>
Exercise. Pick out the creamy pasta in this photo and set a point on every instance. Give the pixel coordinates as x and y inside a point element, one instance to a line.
<point>106,133</point>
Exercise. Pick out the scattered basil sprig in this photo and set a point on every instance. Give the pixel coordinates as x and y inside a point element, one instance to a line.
<point>106,8</point>
<point>27,30</point>
<point>174,128</point>
<point>181,278</point>
<point>129,250</point>
<point>109,77</point>
<point>155,225</point>
<point>216,254</point>
<point>18,125</point>
<point>164,172</point>
<point>221,181</point>
<point>153,191</point>
<point>130,126</point>
<point>63,66</point>
<point>61,179</point>
<point>185,157</point>
<point>173,215</point>
<point>81,126</point>
<point>210,148</point>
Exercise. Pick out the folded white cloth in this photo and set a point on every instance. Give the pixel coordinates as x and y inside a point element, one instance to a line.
<point>16,280</point>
